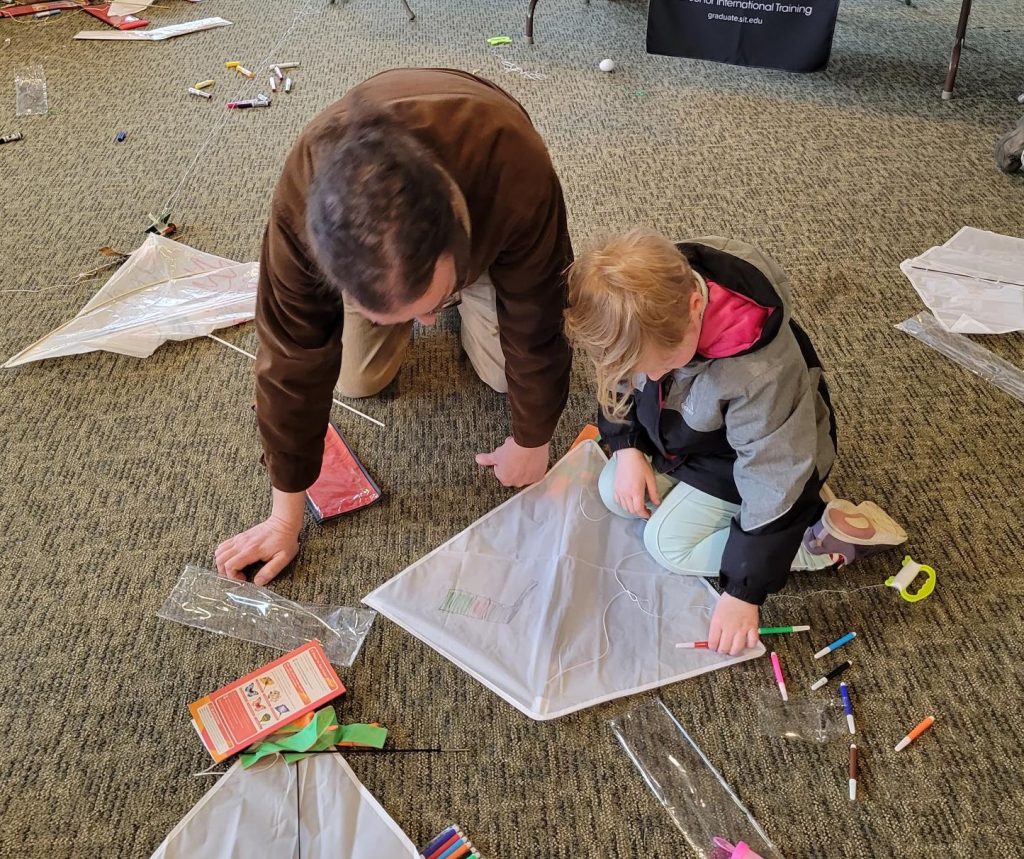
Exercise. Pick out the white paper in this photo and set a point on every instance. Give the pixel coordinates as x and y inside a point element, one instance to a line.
<point>157,35</point>
<point>315,808</point>
<point>521,600</point>
<point>164,291</point>
<point>974,283</point>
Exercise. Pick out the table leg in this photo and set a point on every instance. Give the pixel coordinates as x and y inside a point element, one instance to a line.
<point>954,60</point>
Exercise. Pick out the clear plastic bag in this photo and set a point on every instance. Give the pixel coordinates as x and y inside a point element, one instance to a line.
<point>976,358</point>
<point>815,721</point>
<point>242,610</point>
<point>30,91</point>
<point>700,802</point>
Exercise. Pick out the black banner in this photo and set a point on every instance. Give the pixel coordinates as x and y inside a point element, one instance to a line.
<point>794,36</point>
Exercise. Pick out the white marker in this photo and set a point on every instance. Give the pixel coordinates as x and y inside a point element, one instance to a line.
<point>853,773</point>
<point>192,90</point>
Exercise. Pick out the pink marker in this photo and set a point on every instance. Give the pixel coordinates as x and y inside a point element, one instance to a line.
<point>737,851</point>
<point>777,668</point>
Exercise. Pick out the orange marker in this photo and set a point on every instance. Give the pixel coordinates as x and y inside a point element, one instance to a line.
<point>923,726</point>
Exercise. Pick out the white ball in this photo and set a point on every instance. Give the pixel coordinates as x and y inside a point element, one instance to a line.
<point>606,65</point>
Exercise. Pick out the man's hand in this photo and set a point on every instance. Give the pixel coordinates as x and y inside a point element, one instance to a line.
<point>514,465</point>
<point>275,541</point>
<point>733,626</point>
<point>634,482</point>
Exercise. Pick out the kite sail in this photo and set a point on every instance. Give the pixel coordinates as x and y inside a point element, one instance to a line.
<point>553,603</point>
<point>974,283</point>
<point>164,291</point>
<point>314,809</point>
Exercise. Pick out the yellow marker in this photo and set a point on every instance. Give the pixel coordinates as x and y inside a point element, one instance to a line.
<point>203,84</point>
<point>232,65</point>
<point>242,70</point>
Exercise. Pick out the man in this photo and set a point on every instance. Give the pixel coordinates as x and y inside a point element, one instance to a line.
<point>421,189</point>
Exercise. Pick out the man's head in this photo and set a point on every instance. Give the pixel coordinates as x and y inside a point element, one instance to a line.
<point>382,224</point>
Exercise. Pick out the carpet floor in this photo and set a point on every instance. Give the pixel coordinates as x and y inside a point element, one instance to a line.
<point>119,471</point>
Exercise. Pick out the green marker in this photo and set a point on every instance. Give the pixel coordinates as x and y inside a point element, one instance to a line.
<point>494,41</point>
<point>764,630</point>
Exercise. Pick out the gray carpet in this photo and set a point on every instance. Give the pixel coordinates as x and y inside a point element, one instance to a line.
<point>120,471</point>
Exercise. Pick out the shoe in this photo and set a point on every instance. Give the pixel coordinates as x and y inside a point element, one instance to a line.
<point>1010,149</point>
<point>848,532</point>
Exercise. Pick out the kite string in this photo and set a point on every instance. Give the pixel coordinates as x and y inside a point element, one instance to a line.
<point>583,512</point>
<point>809,594</point>
<point>200,150</point>
<point>604,621</point>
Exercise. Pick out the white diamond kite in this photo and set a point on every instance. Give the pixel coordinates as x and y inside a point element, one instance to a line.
<point>164,291</point>
<point>974,283</point>
<point>553,603</point>
<point>315,808</point>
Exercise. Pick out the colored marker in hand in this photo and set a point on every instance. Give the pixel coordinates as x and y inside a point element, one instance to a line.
<point>835,672</point>
<point>777,668</point>
<point>835,645</point>
<point>844,693</point>
<point>922,726</point>
<point>764,630</point>
<point>853,772</point>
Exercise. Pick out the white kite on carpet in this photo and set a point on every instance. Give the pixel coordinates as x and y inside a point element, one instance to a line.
<point>164,291</point>
<point>553,603</point>
<point>315,809</point>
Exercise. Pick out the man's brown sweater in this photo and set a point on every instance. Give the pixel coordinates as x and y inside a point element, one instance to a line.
<point>485,141</point>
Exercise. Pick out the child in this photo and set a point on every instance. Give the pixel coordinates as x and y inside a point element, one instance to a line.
<point>713,403</point>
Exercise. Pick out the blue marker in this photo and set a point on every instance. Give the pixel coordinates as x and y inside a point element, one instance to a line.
<point>835,645</point>
<point>457,848</point>
<point>844,693</point>
<point>437,842</point>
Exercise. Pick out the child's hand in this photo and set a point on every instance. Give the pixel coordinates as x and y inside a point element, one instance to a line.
<point>634,481</point>
<point>733,626</point>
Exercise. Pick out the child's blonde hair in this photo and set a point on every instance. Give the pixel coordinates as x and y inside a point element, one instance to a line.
<point>627,295</point>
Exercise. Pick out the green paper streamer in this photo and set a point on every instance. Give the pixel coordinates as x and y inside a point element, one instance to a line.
<point>364,735</point>
<point>314,737</point>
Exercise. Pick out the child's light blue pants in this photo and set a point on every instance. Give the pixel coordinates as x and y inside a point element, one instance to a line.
<point>687,532</point>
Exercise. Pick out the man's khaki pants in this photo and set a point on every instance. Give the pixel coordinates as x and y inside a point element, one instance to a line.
<point>372,354</point>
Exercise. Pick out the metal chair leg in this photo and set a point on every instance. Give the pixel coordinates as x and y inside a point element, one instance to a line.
<point>529,22</point>
<point>954,60</point>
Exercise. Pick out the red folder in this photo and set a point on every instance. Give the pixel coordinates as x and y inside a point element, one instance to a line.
<point>343,484</point>
<point>121,22</point>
